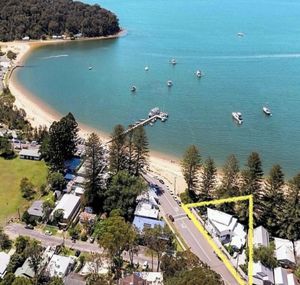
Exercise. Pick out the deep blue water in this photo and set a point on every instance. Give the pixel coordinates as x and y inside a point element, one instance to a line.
<point>241,74</point>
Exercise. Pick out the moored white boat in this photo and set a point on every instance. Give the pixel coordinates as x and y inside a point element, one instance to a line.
<point>238,117</point>
<point>267,111</point>
<point>169,83</point>
<point>199,73</point>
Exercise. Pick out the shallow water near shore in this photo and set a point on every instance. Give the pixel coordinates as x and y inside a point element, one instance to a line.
<point>241,74</point>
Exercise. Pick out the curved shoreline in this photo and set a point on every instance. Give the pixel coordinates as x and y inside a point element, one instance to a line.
<point>40,113</point>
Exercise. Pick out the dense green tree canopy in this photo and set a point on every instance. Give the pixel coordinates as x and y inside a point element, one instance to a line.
<point>196,276</point>
<point>61,142</point>
<point>122,192</point>
<point>40,18</point>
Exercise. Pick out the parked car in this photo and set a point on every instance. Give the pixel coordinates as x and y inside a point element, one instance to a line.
<point>48,233</point>
<point>77,253</point>
<point>171,218</point>
<point>92,239</point>
<point>29,227</point>
<point>161,181</point>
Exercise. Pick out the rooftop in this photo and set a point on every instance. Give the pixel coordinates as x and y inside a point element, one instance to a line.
<point>30,152</point>
<point>67,203</point>
<point>36,209</point>
<point>221,221</point>
<point>146,210</point>
<point>79,190</point>
<point>260,237</point>
<point>59,265</point>
<point>151,277</point>
<point>4,260</point>
<point>262,272</point>
<point>141,223</point>
<point>132,279</point>
<point>93,267</point>
<point>79,180</point>
<point>280,276</point>
<point>284,250</point>
<point>25,270</point>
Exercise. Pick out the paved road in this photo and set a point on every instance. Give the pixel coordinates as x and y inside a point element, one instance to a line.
<point>14,230</point>
<point>188,231</point>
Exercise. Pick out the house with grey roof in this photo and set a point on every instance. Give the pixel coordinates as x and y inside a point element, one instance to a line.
<point>261,237</point>
<point>36,210</point>
<point>31,154</point>
<point>25,270</point>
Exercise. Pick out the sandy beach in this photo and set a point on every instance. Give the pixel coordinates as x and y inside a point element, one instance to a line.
<point>39,113</point>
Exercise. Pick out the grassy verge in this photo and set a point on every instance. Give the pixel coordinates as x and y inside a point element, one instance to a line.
<point>11,173</point>
<point>53,230</point>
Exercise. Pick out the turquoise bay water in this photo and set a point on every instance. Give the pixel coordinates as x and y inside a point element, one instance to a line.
<point>241,74</point>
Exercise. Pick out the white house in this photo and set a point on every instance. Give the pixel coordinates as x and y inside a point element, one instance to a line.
<point>284,250</point>
<point>261,237</point>
<point>79,191</point>
<point>152,278</point>
<point>93,267</point>
<point>262,273</point>
<point>31,154</point>
<point>70,204</point>
<point>60,265</point>
<point>226,228</point>
<point>280,276</point>
<point>146,210</point>
<point>292,279</point>
<point>4,261</point>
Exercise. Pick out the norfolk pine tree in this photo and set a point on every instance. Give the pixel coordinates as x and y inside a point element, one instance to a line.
<point>208,180</point>
<point>93,166</point>
<point>273,200</point>
<point>190,165</point>
<point>140,149</point>
<point>117,158</point>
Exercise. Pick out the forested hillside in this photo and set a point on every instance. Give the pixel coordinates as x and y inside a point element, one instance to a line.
<point>42,18</point>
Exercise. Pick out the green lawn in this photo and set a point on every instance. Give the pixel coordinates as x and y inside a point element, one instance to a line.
<point>11,173</point>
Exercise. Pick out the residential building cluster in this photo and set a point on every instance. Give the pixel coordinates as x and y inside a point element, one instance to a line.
<point>226,228</point>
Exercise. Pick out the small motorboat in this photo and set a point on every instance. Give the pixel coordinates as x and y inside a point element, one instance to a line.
<point>240,34</point>
<point>173,61</point>
<point>267,111</point>
<point>133,88</point>
<point>90,67</point>
<point>146,68</point>
<point>169,83</point>
<point>238,117</point>
<point>199,73</point>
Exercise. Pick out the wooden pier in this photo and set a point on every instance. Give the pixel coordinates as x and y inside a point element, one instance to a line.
<point>162,116</point>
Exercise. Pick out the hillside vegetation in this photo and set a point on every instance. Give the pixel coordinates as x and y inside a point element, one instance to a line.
<point>41,18</point>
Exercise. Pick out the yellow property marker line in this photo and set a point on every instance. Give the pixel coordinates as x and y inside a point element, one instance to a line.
<point>228,264</point>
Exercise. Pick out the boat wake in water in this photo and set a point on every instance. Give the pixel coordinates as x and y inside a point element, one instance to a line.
<point>56,56</point>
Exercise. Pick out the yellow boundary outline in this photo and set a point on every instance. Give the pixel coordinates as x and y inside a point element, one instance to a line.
<point>221,255</point>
